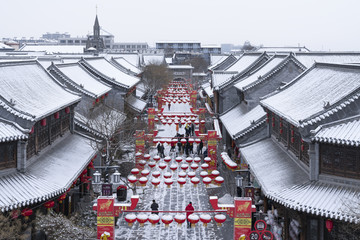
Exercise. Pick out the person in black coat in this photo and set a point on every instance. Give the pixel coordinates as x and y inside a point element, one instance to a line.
<point>200,147</point>
<point>155,207</point>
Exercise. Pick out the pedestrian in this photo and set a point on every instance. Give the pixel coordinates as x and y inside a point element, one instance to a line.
<point>169,105</point>
<point>192,129</point>
<point>191,146</point>
<point>205,153</point>
<point>200,147</point>
<point>158,148</point>
<point>162,155</point>
<point>189,210</point>
<point>155,207</point>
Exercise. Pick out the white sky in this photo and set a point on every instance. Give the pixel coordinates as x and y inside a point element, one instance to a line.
<point>316,24</point>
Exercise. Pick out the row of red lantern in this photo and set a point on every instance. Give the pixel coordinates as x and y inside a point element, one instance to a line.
<point>228,162</point>
<point>178,115</point>
<point>175,140</point>
<point>168,219</point>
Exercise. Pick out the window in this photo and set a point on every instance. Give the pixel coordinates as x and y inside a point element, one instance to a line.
<point>8,155</point>
<point>31,147</point>
<point>43,135</point>
<point>70,41</point>
<point>62,41</point>
<point>55,127</point>
<point>65,122</point>
<point>77,41</point>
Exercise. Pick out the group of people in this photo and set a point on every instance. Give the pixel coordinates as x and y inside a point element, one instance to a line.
<point>189,210</point>
<point>161,148</point>
<point>189,129</point>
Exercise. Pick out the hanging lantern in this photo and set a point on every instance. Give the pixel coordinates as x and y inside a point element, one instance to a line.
<point>142,219</point>
<point>154,219</point>
<point>191,140</point>
<point>197,159</point>
<point>49,204</point>
<point>56,115</point>
<point>169,122</point>
<point>62,198</point>
<point>168,141</point>
<point>163,122</point>
<point>219,180</point>
<point>152,164</point>
<point>195,181</point>
<point>183,141</point>
<point>204,166</point>
<point>135,171</point>
<point>197,140</point>
<point>207,159</point>
<point>196,122</point>
<point>132,179</point>
<point>168,182</point>
<point>167,175</point>
<point>147,156</point>
<point>202,121</point>
<point>184,166</point>
<point>145,172</point>
<point>220,219</point>
<point>191,174</point>
<point>142,162</point>
<point>43,122</point>
<point>167,219</point>
<point>193,219</point>
<point>138,155</point>
<point>155,182</point>
<point>302,147</point>
<point>207,181</point>
<point>292,140</point>
<point>215,173</point>
<point>67,110</point>
<point>205,219</point>
<point>26,212</point>
<point>162,140</point>
<point>167,159</point>
<point>182,174</point>
<point>156,174</point>
<point>156,119</point>
<point>156,158</point>
<point>176,122</point>
<point>162,165</point>
<point>178,159</point>
<point>329,224</point>
<point>143,181</point>
<point>194,166</point>
<point>180,219</point>
<point>189,159</point>
<point>173,167</point>
<point>181,181</point>
<point>130,219</point>
<point>281,131</point>
<point>203,174</point>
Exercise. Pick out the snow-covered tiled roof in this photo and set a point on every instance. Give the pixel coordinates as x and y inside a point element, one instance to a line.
<point>308,59</point>
<point>132,58</point>
<point>224,63</point>
<point>219,77</point>
<point>153,59</point>
<point>283,49</point>
<point>51,49</point>
<point>260,72</point>
<point>344,132</point>
<point>135,103</point>
<point>10,132</point>
<point>49,176</point>
<point>76,75</point>
<point>127,65</point>
<point>238,121</point>
<point>316,94</point>
<point>5,47</point>
<point>207,88</point>
<point>28,88</point>
<point>243,62</point>
<point>110,71</point>
<point>216,58</point>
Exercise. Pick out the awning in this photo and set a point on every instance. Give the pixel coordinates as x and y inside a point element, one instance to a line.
<point>285,182</point>
<point>49,176</point>
<point>136,104</point>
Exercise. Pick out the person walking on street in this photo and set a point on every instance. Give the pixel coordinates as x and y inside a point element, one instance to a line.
<point>200,147</point>
<point>155,207</point>
<point>189,210</point>
<point>169,105</point>
<point>162,155</point>
<point>158,149</point>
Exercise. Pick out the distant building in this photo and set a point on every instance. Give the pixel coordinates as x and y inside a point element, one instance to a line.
<point>95,41</point>
<point>55,36</point>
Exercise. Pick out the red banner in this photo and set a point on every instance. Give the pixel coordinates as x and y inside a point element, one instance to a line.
<point>242,217</point>
<point>139,146</point>
<point>193,96</point>
<point>151,119</point>
<point>105,218</point>
<point>212,146</point>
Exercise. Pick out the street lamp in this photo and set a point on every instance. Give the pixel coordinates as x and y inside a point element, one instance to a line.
<point>97,176</point>
<point>239,184</point>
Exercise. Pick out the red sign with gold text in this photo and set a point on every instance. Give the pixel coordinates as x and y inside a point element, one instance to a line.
<point>151,118</point>
<point>105,217</point>
<point>242,217</point>
<point>212,146</point>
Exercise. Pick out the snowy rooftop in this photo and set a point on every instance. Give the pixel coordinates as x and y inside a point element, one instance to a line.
<point>132,58</point>
<point>317,93</point>
<point>243,62</point>
<point>50,49</point>
<point>283,49</point>
<point>216,58</point>
<point>218,78</point>
<point>224,63</point>
<point>259,72</point>
<point>10,132</point>
<point>344,132</point>
<point>127,65</point>
<point>308,59</point>
<point>238,121</point>
<point>135,103</point>
<point>107,69</point>
<point>207,88</point>
<point>5,47</point>
<point>32,90</point>
<point>49,176</point>
<point>83,80</point>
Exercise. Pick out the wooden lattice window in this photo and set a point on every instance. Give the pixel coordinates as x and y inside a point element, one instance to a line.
<point>275,122</point>
<point>43,136</point>
<point>55,127</point>
<point>295,142</point>
<point>304,152</point>
<point>284,132</point>
<point>8,155</point>
<point>65,122</point>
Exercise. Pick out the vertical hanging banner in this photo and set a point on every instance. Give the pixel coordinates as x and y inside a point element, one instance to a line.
<point>139,146</point>
<point>212,146</point>
<point>151,119</point>
<point>242,217</point>
<point>201,113</point>
<point>159,98</point>
<point>105,217</point>
<point>193,96</point>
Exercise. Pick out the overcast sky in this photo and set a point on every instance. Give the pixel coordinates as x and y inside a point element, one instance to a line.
<point>316,24</point>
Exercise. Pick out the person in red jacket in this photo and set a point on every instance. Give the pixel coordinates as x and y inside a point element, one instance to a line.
<point>189,210</point>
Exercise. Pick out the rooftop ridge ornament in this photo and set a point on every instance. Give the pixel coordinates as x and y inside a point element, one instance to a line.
<point>326,104</point>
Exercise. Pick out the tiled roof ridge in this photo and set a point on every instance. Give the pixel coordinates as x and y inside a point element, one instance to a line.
<point>274,70</point>
<point>16,112</point>
<point>113,60</point>
<point>18,62</point>
<point>83,61</point>
<point>241,74</point>
<point>335,123</point>
<point>63,76</point>
<point>249,129</point>
<point>22,136</point>
<point>223,62</point>
<point>78,122</point>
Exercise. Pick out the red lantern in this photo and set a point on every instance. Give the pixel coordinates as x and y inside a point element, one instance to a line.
<point>219,180</point>
<point>194,166</point>
<point>220,219</point>
<point>142,218</point>
<point>145,172</point>
<point>43,122</point>
<point>207,181</point>
<point>329,224</point>
<point>180,219</point>
<point>196,122</point>
<point>97,100</point>
<point>162,140</point>
<point>173,167</point>
<point>184,167</point>
<point>27,212</point>
<point>202,121</point>
<point>142,162</point>
<point>197,140</point>
<point>292,139</point>
<point>215,173</point>
<point>103,96</point>
<point>32,130</point>
<point>147,156</point>
<point>162,166</point>
<point>49,204</point>
<point>143,181</point>
<point>154,219</point>
<point>191,140</point>
<point>132,179</point>
<point>181,181</point>
<point>204,166</point>
<point>156,174</point>
<point>135,171</point>
<point>130,219</point>
<point>207,159</point>
<point>67,110</point>
<point>195,181</point>
<point>193,219</point>
<point>56,115</point>
<point>167,159</point>
<point>189,159</point>
<point>178,159</point>
<point>205,219</point>
<point>191,174</point>
<point>62,198</point>
<point>168,182</point>
<point>155,182</point>
<point>182,174</point>
<point>156,158</point>
<point>152,164</point>
<point>183,141</point>
<point>167,219</point>
<point>302,147</point>
<point>167,175</point>
<point>204,174</point>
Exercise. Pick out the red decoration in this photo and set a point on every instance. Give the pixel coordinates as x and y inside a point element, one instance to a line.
<point>142,218</point>
<point>67,110</point>
<point>292,139</point>
<point>43,122</point>
<point>181,181</point>
<point>167,219</point>
<point>195,181</point>
<point>62,198</point>
<point>103,96</point>
<point>329,224</point>
<point>193,219</point>
<point>178,159</point>
<point>97,100</point>
<point>205,219</point>
<point>156,158</point>
<point>197,140</point>
<point>220,219</point>
<point>207,181</point>
<point>32,130</point>
<point>130,219</point>
<point>302,147</point>
<point>180,219</point>
<point>143,181</point>
<point>135,171</point>
<point>27,212</point>
<point>154,219</point>
<point>56,115</point>
<point>281,131</point>
<point>167,159</point>
<point>49,204</point>
<point>152,164</point>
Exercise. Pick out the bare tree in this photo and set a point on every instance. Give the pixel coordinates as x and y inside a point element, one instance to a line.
<point>11,228</point>
<point>155,76</point>
<point>199,64</point>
